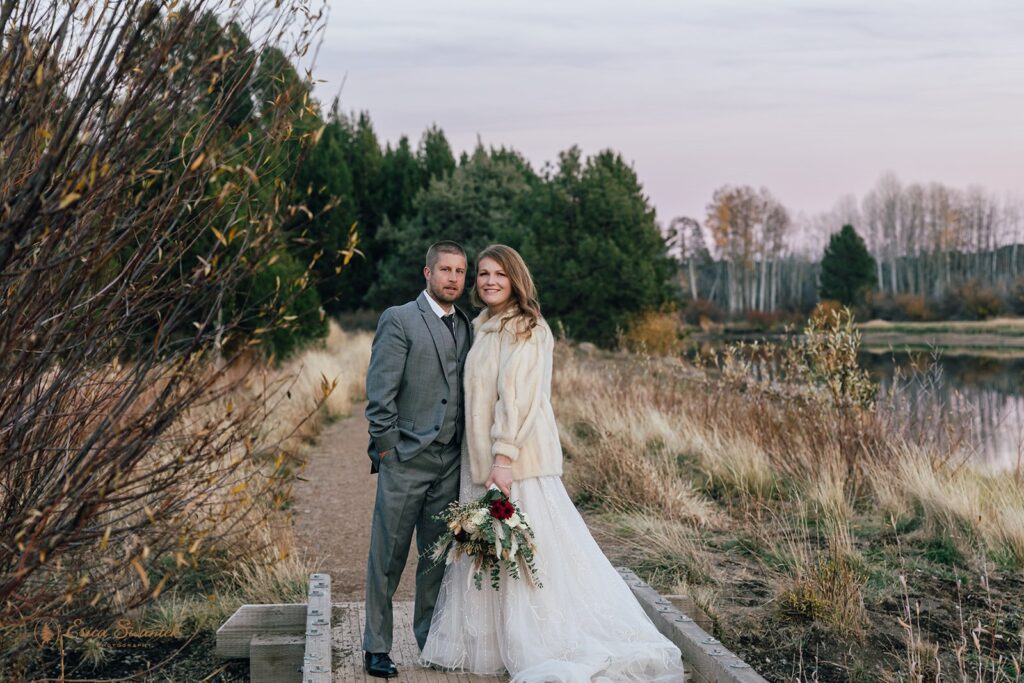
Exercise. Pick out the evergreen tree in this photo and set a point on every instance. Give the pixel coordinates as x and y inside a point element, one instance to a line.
<point>435,154</point>
<point>365,163</point>
<point>403,177</point>
<point>847,269</point>
<point>322,233</point>
<point>595,250</point>
<point>485,200</point>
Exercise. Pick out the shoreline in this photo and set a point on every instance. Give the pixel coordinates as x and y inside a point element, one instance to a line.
<point>996,338</point>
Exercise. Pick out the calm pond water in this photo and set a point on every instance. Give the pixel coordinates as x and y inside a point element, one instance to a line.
<point>974,401</point>
<point>983,394</point>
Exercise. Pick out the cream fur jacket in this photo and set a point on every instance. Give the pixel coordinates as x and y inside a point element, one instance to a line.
<point>508,400</point>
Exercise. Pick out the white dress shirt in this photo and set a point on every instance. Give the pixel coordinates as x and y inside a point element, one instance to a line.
<point>436,306</point>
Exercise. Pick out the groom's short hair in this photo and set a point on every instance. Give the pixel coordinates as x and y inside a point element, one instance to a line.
<point>443,247</point>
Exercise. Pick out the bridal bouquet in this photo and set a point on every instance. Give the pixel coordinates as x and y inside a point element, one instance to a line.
<point>492,531</point>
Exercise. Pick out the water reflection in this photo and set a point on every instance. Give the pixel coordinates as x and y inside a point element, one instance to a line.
<point>942,393</point>
<point>975,403</point>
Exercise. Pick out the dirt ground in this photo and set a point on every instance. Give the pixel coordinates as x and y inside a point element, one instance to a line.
<point>334,507</point>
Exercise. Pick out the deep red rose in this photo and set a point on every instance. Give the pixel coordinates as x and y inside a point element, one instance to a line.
<point>502,509</point>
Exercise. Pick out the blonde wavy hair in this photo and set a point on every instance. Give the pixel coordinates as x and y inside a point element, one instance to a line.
<point>524,292</point>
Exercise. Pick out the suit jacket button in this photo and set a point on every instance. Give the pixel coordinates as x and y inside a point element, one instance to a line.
<point>437,428</point>
<point>444,401</point>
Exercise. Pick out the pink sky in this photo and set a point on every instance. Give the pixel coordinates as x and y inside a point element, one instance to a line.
<point>811,99</point>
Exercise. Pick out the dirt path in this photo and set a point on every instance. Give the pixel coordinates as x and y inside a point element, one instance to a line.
<point>334,506</point>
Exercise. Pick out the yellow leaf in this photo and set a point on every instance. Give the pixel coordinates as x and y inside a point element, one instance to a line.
<point>39,75</point>
<point>220,237</point>
<point>141,571</point>
<point>159,586</point>
<point>69,199</point>
<point>106,539</point>
<point>198,162</point>
<point>273,259</point>
<point>238,488</point>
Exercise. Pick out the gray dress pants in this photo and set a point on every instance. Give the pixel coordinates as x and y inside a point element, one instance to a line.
<point>409,495</point>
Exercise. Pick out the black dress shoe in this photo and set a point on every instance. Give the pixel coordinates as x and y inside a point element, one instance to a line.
<point>379,665</point>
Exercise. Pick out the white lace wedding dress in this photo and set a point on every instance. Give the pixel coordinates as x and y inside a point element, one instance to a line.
<point>583,626</point>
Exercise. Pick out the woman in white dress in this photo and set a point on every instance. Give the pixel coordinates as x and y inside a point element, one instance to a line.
<point>584,625</point>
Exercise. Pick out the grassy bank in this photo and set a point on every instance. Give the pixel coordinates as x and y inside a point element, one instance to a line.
<point>1010,327</point>
<point>822,541</point>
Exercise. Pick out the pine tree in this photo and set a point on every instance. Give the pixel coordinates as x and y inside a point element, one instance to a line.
<point>435,154</point>
<point>595,250</point>
<point>403,178</point>
<point>847,269</point>
<point>485,200</point>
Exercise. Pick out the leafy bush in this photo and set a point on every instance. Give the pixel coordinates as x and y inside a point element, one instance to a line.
<point>697,310</point>
<point>972,300</point>
<point>654,332</point>
<point>1015,297</point>
<point>763,321</point>
<point>913,307</point>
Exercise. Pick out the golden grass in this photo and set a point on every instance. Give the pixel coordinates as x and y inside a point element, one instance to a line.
<point>262,565</point>
<point>641,435</point>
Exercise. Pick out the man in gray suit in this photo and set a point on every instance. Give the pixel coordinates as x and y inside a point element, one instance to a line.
<point>414,388</point>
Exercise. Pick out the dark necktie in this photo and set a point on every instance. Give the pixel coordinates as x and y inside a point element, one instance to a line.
<point>449,321</point>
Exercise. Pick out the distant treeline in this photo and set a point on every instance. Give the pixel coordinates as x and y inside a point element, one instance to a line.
<point>939,252</point>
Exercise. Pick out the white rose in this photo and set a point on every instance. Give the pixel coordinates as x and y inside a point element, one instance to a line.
<point>514,520</point>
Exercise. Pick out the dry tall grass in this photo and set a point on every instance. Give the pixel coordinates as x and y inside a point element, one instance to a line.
<point>256,561</point>
<point>296,409</point>
<point>674,455</point>
<point>628,423</point>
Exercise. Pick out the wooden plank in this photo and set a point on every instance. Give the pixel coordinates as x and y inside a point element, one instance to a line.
<point>703,655</point>
<point>348,634</point>
<point>234,634</point>
<point>276,658</point>
<point>686,605</point>
<point>316,663</point>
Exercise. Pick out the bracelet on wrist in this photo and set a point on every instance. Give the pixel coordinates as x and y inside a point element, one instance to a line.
<point>504,467</point>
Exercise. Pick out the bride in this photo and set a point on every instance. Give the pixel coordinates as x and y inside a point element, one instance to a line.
<point>584,625</point>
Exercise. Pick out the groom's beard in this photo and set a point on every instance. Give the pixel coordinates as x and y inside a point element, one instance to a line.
<point>443,297</point>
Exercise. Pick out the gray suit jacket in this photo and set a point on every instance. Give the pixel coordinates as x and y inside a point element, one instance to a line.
<point>406,384</point>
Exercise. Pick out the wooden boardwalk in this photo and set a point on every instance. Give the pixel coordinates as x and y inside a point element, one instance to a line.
<point>346,639</point>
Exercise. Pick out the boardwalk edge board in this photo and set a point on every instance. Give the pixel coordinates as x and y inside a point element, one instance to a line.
<point>287,643</point>
<point>316,663</point>
<point>706,658</point>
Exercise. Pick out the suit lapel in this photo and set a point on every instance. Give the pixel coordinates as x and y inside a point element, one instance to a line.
<point>468,326</point>
<point>439,333</point>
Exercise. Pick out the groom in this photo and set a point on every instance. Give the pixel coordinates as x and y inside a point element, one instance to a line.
<point>414,388</point>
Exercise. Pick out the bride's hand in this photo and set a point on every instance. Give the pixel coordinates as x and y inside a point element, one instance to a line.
<point>501,476</point>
